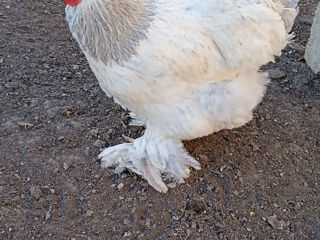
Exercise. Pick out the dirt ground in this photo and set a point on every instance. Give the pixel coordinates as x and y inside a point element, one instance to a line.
<point>260,181</point>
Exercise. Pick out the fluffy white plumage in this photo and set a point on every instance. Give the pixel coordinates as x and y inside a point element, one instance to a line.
<point>186,68</point>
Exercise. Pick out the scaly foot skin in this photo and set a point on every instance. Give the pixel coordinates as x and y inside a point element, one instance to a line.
<point>151,158</point>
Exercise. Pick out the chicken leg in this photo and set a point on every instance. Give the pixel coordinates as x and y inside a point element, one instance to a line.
<point>151,156</point>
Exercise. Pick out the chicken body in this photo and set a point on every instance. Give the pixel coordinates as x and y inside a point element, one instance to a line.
<point>185,68</point>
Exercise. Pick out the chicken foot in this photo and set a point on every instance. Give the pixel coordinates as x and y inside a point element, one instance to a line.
<point>152,156</point>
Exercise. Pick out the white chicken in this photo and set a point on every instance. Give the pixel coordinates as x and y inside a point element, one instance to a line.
<point>185,68</point>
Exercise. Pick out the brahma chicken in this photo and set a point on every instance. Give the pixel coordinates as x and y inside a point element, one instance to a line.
<point>184,68</point>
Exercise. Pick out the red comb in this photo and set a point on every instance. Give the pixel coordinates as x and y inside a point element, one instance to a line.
<point>72,3</point>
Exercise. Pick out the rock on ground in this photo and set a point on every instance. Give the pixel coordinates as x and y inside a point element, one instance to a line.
<point>312,54</point>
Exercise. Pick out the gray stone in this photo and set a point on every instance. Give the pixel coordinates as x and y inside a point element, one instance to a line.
<point>11,85</point>
<point>312,54</point>
<point>277,224</point>
<point>25,125</point>
<point>276,74</point>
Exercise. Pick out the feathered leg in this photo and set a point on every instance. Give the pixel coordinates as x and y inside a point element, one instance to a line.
<point>151,156</point>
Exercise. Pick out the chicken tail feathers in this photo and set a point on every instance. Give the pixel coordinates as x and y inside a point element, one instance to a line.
<point>289,13</point>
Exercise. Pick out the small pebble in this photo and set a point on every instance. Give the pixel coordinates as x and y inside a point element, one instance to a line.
<point>175,218</point>
<point>36,192</point>
<point>65,166</point>
<point>60,138</point>
<point>25,125</point>
<point>89,213</point>
<point>133,210</point>
<point>120,186</point>
<point>76,67</point>
<point>193,225</point>
<point>276,74</point>
<point>94,132</point>
<point>47,216</point>
<point>296,207</point>
<point>172,185</point>
<point>126,221</point>
<point>87,151</point>
<point>117,107</point>
<point>148,223</point>
<point>127,234</point>
<point>254,146</point>
<point>99,143</point>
